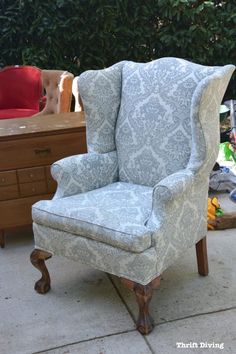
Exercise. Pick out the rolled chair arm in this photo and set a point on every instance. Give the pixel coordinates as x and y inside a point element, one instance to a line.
<point>82,173</point>
<point>170,192</point>
<point>179,214</point>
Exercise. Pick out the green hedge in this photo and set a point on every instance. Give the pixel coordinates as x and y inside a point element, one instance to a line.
<point>98,33</point>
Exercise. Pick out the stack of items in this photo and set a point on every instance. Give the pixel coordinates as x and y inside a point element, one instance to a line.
<point>223,176</point>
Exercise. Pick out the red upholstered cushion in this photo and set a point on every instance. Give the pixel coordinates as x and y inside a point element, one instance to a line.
<point>16,113</point>
<point>20,87</point>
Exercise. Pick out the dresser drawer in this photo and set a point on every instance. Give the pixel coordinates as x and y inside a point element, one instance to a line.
<point>9,192</point>
<point>17,212</point>
<point>33,188</point>
<point>7,178</point>
<point>38,151</point>
<point>31,174</point>
<point>51,183</point>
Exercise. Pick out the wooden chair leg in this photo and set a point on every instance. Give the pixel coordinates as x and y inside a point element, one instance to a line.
<point>2,239</point>
<point>202,260</point>
<point>143,295</point>
<point>38,257</point>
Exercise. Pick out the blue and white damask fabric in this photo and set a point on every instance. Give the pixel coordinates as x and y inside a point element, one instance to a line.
<point>153,131</point>
<point>82,173</point>
<point>204,120</point>
<point>139,267</point>
<point>100,91</point>
<point>115,214</point>
<point>162,118</point>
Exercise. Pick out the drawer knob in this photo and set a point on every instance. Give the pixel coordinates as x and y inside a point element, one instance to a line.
<point>33,189</point>
<point>31,175</point>
<point>3,179</point>
<point>42,152</point>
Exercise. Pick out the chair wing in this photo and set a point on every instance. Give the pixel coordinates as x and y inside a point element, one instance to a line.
<point>100,91</point>
<point>179,208</point>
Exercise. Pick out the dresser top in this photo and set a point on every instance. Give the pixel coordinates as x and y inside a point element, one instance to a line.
<point>41,125</point>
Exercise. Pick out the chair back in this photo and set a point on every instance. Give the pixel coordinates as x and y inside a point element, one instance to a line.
<point>160,116</point>
<point>153,129</point>
<point>20,87</point>
<point>58,87</point>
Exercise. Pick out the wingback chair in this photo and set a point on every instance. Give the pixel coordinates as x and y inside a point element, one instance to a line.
<point>137,200</point>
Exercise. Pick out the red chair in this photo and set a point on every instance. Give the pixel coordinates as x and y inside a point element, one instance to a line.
<point>20,91</point>
<point>22,87</point>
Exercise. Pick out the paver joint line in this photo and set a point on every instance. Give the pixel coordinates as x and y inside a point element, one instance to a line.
<point>129,311</point>
<point>196,315</point>
<point>85,340</point>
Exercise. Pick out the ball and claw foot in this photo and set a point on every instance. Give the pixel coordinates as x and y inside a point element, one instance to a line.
<point>42,286</point>
<point>145,324</point>
<point>38,257</point>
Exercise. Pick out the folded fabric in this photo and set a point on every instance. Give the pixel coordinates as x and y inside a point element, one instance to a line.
<point>222,180</point>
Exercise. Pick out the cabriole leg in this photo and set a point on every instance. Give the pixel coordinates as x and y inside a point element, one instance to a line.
<point>143,295</point>
<point>38,257</point>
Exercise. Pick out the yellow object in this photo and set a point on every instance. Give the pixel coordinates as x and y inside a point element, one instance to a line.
<point>213,205</point>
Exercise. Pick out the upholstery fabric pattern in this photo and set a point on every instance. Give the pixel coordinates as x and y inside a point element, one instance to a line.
<point>178,219</point>
<point>115,214</point>
<point>166,134</point>
<point>205,126</point>
<point>82,173</point>
<point>140,267</point>
<point>100,92</point>
<point>154,127</point>
<point>180,200</point>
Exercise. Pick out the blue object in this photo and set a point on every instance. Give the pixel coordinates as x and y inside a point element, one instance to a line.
<point>225,169</point>
<point>232,195</point>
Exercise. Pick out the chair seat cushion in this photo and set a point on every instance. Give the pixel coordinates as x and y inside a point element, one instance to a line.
<point>115,214</point>
<point>16,113</point>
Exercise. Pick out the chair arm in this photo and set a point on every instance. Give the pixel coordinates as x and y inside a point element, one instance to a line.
<point>82,173</point>
<point>179,215</point>
<point>170,193</point>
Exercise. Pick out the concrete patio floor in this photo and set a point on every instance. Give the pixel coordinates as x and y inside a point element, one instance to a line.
<point>89,312</point>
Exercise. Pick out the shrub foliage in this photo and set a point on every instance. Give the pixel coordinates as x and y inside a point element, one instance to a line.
<point>98,33</point>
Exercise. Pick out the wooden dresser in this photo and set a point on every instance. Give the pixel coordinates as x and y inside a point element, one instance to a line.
<point>28,146</point>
